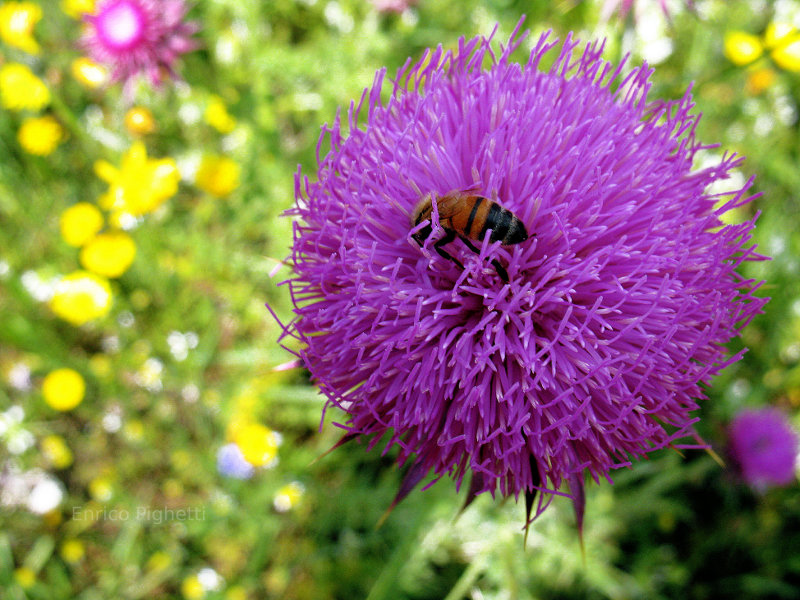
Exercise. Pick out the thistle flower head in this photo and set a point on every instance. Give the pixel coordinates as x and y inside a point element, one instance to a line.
<point>615,310</point>
<point>139,37</point>
<point>764,447</point>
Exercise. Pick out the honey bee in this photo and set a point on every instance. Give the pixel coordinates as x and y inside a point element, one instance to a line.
<point>468,217</point>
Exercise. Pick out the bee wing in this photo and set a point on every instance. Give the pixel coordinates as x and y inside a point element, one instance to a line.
<point>450,205</point>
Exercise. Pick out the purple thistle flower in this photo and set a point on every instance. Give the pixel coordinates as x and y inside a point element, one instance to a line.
<point>616,309</point>
<point>139,37</point>
<point>764,447</point>
<point>232,463</point>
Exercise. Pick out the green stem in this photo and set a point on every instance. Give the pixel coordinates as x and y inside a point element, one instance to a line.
<point>385,587</point>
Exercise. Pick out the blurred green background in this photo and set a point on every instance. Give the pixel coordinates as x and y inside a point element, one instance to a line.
<point>180,360</point>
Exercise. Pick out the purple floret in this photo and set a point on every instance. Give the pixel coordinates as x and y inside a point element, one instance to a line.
<point>763,446</point>
<point>617,309</point>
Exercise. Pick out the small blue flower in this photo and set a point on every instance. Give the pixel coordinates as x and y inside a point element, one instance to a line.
<point>231,462</point>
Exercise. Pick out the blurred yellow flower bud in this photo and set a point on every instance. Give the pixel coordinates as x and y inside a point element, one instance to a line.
<point>259,444</point>
<point>72,550</point>
<point>63,389</point>
<point>80,223</point>
<point>81,297</point>
<point>218,175</point>
<point>17,20</point>
<point>40,135</point>
<point>77,8</point>
<point>56,451</point>
<point>20,89</point>
<point>192,589</point>
<point>742,48</point>
<point>159,561</point>
<point>760,80</point>
<point>109,254</point>
<point>100,489</point>
<point>139,121</point>
<point>288,496</point>
<point>25,577</point>
<point>218,117</point>
<point>89,73</point>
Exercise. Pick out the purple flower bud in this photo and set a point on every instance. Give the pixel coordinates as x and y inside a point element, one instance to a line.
<point>763,446</point>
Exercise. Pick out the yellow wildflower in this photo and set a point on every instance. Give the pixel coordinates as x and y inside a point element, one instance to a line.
<point>258,444</point>
<point>192,589</point>
<point>140,184</point>
<point>760,80</point>
<point>17,20</point>
<point>20,89</point>
<point>77,8</point>
<point>784,39</point>
<point>40,135</point>
<point>109,254</point>
<point>218,117</point>
<point>56,451</point>
<point>63,389</point>
<point>25,577</point>
<point>89,73</point>
<point>100,489</point>
<point>100,366</point>
<point>80,297</point>
<point>80,223</point>
<point>217,175</point>
<point>139,121</point>
<point>72,550</point>
<point>236,592</point>
<point>288,496</point>
<point>742,48</point>
<point>159,561</point>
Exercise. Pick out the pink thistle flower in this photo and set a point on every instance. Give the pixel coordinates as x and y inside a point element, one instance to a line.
<point>616,308</point>
<point>393,6</point>
<point>139,38</point>
<point>764,447</point>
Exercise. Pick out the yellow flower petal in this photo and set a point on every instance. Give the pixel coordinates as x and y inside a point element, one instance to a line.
<point>141,184</point>
<point>218,117</point>
<point>77,8</point>
<point>258,444</point>
<point>56,451</point>
<point>81,297</point>
<point>80,223</point>
<point>109,254</point>
<point>139,121</point>
<point>89,73</point>
<point>218,175</point>
<point>20,89</point>
<point>788,57</point>
<point>778,32</point>
<point>192,589</point>
<point>63,389</point>
<point>17,20</point>
<point>72,550</point>
<point>24,577</point>
<point>742,48</point>
<point>40,135</point>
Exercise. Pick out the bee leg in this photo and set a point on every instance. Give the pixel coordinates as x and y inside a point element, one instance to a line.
<point>449,236</point>
<point>497,266</point>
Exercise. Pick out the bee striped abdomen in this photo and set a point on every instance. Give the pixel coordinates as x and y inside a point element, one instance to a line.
<point>506,227</point>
